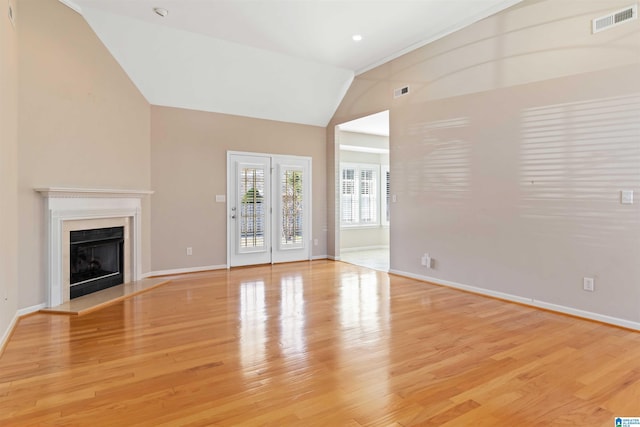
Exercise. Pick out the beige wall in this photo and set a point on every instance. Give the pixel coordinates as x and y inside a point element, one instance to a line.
<point>82,123</point>
<point>509,153</point>
<point>8,171</point>
<point>188,161</point>
<point>362,238</point>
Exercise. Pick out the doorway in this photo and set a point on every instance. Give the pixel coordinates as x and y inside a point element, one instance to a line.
<point>269,202</point>
<point>363,188</point>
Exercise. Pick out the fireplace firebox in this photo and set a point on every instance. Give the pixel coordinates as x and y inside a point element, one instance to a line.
<point>96,260</point>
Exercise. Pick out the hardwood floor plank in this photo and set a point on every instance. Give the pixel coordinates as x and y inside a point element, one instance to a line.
<point>316,344</point>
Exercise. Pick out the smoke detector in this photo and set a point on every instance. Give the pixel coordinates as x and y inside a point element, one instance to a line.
<point>161,11</point>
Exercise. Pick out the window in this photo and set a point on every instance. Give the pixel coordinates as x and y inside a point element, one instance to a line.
<point>360,195</point>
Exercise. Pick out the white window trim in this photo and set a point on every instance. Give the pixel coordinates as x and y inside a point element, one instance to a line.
<point>384,203</point>
<point>380,194</point>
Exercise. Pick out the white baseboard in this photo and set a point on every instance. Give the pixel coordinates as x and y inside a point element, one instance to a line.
<point>184,270</point>
<point>29,310</point>
<point>363,248</point>
<point>587,315</point>
<point>526,301</point>
<point>22,312</point>
<point>333,258</point>
<point>7,333</point>
<point>200,269</point>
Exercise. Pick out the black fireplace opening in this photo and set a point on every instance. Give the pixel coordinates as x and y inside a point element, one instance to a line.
<point>97,260</point>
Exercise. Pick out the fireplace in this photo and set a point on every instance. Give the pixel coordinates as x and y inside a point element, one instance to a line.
<point>96,260</point>
<point>74,214</point>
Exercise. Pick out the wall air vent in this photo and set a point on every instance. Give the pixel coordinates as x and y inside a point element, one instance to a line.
<point>614,19</point>
<point>401,91</point>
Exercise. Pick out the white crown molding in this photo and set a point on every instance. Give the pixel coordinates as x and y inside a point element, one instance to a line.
<point>71,5</point>
<point>53,192</point>
<point>449,30</point>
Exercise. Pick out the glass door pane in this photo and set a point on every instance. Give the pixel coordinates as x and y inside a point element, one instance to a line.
<point>252,207</point>
<point>291,229</point>
<point>292,209</point>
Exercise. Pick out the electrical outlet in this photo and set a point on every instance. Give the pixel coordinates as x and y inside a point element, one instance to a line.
<point>588,284</point>
<point>189,251</point>
<point>426,260</point>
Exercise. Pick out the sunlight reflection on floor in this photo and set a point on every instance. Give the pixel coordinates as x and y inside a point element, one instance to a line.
<point>377,259</point>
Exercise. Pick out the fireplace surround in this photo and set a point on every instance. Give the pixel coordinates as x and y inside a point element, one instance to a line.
<point>68,210</point>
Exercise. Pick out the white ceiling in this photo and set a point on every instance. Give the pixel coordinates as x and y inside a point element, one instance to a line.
<point>285,60</point>
<point>375,124</point>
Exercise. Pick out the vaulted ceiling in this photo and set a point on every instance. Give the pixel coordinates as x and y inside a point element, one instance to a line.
<point>285,60</point>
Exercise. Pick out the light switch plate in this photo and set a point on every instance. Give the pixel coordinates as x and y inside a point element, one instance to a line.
<point>221,198</point>
<point>626,197</point>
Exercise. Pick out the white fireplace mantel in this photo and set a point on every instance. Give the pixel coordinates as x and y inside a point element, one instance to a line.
<point>73,204</point>
<point>90,192</point>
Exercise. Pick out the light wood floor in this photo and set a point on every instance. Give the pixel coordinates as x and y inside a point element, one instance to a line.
<point>322,343</point>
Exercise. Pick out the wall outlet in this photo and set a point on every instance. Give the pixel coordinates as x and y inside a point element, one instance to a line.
<point>588,284</point>
<point>426,260</point>
<point>626,197</point>
<point>189,251</point>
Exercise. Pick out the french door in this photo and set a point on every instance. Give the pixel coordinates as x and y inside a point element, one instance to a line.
<point>269,207</point>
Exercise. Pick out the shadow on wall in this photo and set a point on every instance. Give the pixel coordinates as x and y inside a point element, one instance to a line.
<point>575,159</point>
<point>444,165</point>
<point>554,170</point>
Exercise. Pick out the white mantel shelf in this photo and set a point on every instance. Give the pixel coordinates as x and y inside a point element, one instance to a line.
<point>91,192</point>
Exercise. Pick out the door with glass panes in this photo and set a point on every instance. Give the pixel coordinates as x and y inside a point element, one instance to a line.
<point>269,204</point>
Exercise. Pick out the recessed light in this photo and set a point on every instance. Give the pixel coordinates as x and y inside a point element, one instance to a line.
<point>161,11</point>
<point>356,37</point>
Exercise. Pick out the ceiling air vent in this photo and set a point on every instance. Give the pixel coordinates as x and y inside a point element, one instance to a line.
<point>401,91</point>
<point>615,18</point>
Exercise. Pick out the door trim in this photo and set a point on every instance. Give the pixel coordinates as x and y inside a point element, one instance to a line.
<point>274,219</point>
